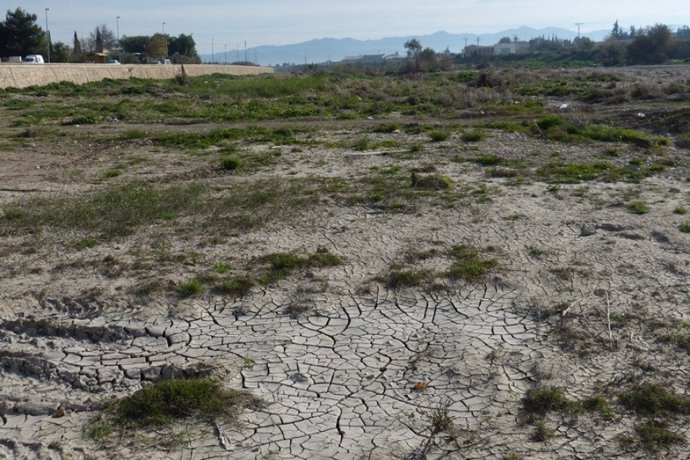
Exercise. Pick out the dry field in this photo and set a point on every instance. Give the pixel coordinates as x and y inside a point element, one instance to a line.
<point>468,265</point>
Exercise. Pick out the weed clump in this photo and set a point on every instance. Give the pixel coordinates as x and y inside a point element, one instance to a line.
<point>430,181</point>
<point>539,401</point>
<point>469,264</point>
<point>171,400</point>
<point>406,278</point>
<point>190,288</point>
<point>473,135</point>
<point>654,400</point>
<point>439,136</point>
<point>230,163</point>
<point>685,227</point>
<point>237,286</point>
<point>282,264</point>
<point>638,207</point>
<point>655,435</point>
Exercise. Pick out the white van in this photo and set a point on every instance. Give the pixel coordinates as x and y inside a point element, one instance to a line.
<point>34,59</point>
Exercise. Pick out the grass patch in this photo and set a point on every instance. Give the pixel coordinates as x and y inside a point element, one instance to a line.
<point>237,286</point>
<point>230,163</point>
<point>557,128</point>
<point>473,135</point>
<point>680,210</point>
<point>468,264</point>
<point>654,400</point>
<point>684,227</point>
<point>430,181</point>
<point>190,288</point>
<point>439,136</point>
<point>540,401</point>
<point>637,207</point>
<point>282,264</point>
<point>114,212</point>
<point>171,401</point>
<point>406,278</point>
<point>655,435</point>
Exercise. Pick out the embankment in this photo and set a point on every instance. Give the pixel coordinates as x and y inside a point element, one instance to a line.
<point>23,75</point>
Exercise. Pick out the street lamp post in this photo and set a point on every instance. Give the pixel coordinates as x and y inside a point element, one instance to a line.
<point>166,44</point>
<point>119,46</point>
<point>48,32</point>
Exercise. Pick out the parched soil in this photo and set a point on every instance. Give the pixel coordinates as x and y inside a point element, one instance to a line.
<point>578,281</point>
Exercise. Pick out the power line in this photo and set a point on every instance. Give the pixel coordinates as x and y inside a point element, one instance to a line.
<point>579,24</point>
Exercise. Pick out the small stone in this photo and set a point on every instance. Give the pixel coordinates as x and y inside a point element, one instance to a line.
<point>588,230</point>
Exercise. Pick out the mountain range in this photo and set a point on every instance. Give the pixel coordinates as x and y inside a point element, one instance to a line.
<point>337,49</point>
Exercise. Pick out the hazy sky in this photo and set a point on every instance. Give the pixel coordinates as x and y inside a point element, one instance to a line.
<point>274,22</point>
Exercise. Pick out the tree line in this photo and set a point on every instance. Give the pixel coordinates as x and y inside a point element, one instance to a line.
<point>20,35</point>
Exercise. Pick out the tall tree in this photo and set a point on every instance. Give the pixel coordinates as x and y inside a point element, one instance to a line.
<point>651,47</point>
<point>99,41</point>
<point>108,39</point>
<point>183,49</point>
<point>76,45</point>
<point>135,43</point>
<point>413,48</point>
<point>21,35</point>
<point>156,47</point>
<point>60,52</point>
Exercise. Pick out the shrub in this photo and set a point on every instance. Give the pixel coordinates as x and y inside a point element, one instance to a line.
<point>468,263</point>
<point>539,401</point>
<point>655,435</point>
<point>431,181</point>
<point>230,163</point>
<point>654,400</point>
<point>685,227</point>
<point>190,288</point>
<point>474,135</point>
<point>238,286</point>
<point>549,122</point>
<point>638,207</point>
<point>170,400</point>
<point>439,136</point>
<point>406,278</point>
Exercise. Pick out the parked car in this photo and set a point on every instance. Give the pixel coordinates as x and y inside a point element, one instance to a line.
<point>113,62</point>
<point>34,59</point>
<point>15,59</point>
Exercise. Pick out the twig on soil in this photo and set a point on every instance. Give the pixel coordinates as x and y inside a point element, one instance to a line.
<point>565,312</point>
<point>608,319</point>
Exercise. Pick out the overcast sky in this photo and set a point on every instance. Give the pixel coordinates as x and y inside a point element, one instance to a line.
<point>275,22</point>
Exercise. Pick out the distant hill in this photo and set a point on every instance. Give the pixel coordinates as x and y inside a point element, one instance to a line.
<point>336,49</point>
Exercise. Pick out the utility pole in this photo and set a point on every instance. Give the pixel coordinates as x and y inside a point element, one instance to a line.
<point>117,22</point>
<point>245,51</point>
<point>226,53</point>
<point>166,44</point>
<point>579,24</point>
<point>48,32</point>
<point>213,50</point>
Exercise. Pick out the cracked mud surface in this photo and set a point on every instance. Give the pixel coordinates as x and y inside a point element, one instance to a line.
<point>349,366</point>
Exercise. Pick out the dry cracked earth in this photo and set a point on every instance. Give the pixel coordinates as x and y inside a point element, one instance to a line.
<point>349,364</point>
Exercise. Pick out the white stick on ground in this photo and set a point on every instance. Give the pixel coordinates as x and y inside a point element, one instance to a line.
<point>608,319</point>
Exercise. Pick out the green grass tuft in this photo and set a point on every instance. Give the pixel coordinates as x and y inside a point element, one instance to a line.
<point>654,400</point>
<point>169,401</point>
<point>637,207</point>
<point>469,264</point>
<point>190,288</point>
